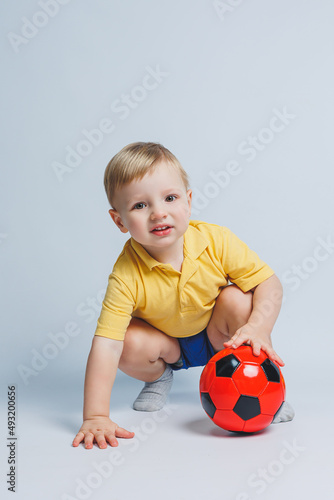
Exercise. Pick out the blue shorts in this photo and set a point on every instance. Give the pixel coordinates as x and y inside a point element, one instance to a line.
<point>195,351</point>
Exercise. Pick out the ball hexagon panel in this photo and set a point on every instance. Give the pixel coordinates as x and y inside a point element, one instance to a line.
<point>224,393</point>
<point>207,377</point>
<point>271,398</point>
<point>257,423</point>
<point>229,420</point>
<point>250,379</point>
<point>245,353</point>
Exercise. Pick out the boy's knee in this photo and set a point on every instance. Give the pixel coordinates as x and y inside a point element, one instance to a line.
<point>132,340</point>
<point>139,340</point>
<point>236,301</point>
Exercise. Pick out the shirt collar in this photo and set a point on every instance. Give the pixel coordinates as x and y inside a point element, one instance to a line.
<point>145,256</point>
<point>194,244</point>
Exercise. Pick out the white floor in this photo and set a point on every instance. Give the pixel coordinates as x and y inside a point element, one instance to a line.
<point>177,452</point>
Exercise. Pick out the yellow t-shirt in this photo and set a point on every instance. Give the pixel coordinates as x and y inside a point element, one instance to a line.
<point>178,303</point>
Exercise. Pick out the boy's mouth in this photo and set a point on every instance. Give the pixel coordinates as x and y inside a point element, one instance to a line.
<point>161,230</point>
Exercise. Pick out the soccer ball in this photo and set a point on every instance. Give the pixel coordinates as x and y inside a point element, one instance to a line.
<point>241,392</point>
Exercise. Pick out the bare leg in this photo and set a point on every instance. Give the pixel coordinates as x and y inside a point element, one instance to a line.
<point>145,354</point>
<point>146,351</point>
<point>232,310</point>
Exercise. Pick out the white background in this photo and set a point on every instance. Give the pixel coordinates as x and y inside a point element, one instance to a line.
<point>225,72</point>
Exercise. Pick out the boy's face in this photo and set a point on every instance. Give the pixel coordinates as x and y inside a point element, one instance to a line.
<point>154,209</point>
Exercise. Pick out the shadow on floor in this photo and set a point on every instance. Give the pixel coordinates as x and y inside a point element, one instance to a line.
<point>206,427</point>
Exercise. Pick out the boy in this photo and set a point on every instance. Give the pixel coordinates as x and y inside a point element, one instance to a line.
<point>167,305</point>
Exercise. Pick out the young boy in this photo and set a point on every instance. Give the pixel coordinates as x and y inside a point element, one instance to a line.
<point>167,305</point>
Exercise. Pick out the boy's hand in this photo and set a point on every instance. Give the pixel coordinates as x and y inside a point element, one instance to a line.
<point>248,334</point>
<point>103,430</point>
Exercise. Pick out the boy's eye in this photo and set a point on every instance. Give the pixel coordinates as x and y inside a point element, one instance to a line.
<point>171,197</point>
<point>139,206</point>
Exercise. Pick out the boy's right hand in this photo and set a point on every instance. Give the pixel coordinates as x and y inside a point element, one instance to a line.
<point>103,430</point>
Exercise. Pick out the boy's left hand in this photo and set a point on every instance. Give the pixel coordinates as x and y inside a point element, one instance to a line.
<point>248,334</point>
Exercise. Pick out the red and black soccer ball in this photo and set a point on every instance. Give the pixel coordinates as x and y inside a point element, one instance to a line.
<point>241,392</point>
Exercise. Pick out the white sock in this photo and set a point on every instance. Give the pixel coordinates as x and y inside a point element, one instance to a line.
<point>285,413</point>
<point>154,394</point>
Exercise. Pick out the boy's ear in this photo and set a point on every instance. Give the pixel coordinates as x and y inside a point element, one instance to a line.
<point>117,219</point>
<point>189,198</point>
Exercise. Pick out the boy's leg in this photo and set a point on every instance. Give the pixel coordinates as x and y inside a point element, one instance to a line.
<point>145,355</point>
<point>232,310</point>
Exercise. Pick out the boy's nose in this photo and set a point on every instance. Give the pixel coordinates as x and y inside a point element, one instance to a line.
<point>158,213</point>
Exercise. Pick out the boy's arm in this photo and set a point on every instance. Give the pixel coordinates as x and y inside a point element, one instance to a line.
<point>101,371</point>
<point>267,300</point>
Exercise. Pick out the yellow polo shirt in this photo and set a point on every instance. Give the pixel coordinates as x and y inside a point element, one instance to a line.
<point>178,303</point>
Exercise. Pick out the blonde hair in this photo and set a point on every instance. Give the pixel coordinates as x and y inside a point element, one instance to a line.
<point>134,161</point>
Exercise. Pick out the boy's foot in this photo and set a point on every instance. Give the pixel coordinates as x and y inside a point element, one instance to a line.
<point>285,413</point>
<point>154,394</point>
